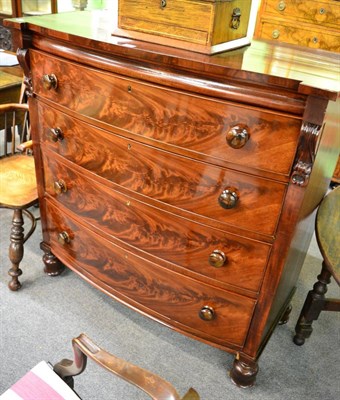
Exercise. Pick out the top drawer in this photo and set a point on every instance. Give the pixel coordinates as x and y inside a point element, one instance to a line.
<point>317,12</point>
<point>196,126</point>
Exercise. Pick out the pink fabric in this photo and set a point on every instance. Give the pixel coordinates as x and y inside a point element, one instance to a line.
<point>31,387</point>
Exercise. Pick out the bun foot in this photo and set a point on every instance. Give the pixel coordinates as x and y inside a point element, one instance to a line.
<point>243,373</point>
<point>53,266</point>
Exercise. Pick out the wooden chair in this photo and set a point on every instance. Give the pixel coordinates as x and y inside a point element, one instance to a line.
<point>44,383</point>
<point>18,188</point>
<point>327,231</point>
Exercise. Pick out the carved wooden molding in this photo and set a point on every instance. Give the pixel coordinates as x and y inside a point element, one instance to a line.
<point>5,39</point>
<point>23,58</point>
<point>306,153</point>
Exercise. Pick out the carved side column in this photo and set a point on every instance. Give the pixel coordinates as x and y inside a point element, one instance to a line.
<point>53,266</point>
<point>310,134</point>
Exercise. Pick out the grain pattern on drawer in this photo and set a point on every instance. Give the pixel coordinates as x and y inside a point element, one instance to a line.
<point>221,194</point>
<point>218,255</point>
<point>177,300</point>
<point>312,37</point>
<point>180,19</point>
<point>199,125</point>
<point>325,13</point>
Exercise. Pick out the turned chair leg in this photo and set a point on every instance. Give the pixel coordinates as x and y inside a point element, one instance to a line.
<point>312,307</point>
<point>16,249</point>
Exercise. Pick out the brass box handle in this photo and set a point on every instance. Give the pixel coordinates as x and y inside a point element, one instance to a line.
<point>235,18</point>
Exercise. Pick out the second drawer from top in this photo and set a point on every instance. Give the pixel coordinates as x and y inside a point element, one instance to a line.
<point>221,196</point>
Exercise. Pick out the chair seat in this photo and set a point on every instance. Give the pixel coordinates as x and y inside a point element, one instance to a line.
<point>40,383</point>
<point>18,187</point>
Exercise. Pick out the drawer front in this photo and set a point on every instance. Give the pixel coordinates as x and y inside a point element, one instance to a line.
<point>254,203</point>
<point>174,299</point>
<point>164,235</point>
<point>199,126</point>
<point>179,19</point>
<point>326,13</point>
<point>286,33</point>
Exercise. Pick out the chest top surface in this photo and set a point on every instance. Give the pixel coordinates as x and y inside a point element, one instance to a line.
<point>262,63</point>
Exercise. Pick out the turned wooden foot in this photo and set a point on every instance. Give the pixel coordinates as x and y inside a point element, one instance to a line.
<point>285,316</point>
<point>243,373</point>
<point>16,249</point>
<point>53,266</point>
<point>312,307</point>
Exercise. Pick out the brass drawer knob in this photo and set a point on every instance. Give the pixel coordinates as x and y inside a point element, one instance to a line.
<point>228,198</point>
<point>217,259</point>
<point>281,6</point>
<point>276,34</point>
<point>207,313</point>
<point>238,136</point>
<point>64,238</point>
<point>50,81</point>
<point>60,186</point>
<point>55,134</point>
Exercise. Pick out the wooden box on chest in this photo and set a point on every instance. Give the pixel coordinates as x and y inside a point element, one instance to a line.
<point>205,26</point>
<point>308,23</point>
<point>181,184</point>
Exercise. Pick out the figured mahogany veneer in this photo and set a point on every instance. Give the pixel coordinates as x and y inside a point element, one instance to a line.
<point>166,177</point>
<point>197,125</point>
<point>160,292</point>
<point>164,235</point>
<point>180,184</point>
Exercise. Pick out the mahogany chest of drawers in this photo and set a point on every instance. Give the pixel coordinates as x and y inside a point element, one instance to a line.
<point>180,184</point>
<point>309,23</point>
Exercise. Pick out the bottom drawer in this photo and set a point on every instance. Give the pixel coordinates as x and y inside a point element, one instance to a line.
<point>176,300</point>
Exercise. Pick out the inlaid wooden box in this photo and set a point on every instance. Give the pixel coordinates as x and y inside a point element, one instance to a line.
<point>204,26</point>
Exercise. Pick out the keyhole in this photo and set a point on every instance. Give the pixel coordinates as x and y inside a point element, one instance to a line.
<point>163,3</point>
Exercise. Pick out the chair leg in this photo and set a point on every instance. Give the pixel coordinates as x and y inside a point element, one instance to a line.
<point>16,249</point>
<point>312,307</point>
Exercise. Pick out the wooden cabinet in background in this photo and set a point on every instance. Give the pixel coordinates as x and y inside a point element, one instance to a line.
<point>307,23</point>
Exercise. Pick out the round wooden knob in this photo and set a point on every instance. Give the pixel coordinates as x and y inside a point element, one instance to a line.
<point>60,186</point>
<point>64,238</point>
<point>238,136</point>
<point>228,198</point>
<point>55,134</point>
<point>217,259</point>
<point>207,313</point>
<point>50,81</point>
